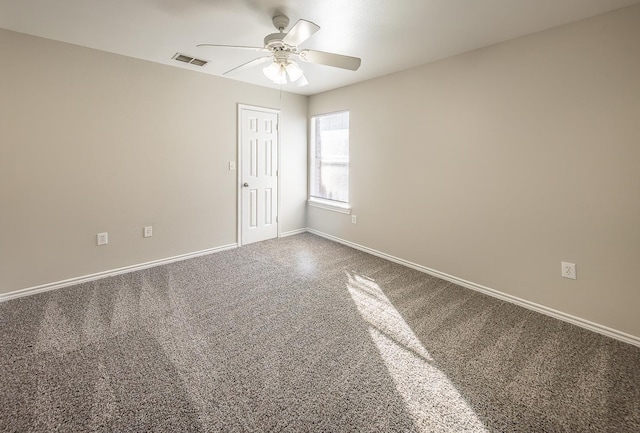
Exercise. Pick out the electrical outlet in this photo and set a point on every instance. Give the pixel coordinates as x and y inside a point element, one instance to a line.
<point>354,219</point>
<point>148,231</point>
<point>569,270</point>
<point>102,238</point>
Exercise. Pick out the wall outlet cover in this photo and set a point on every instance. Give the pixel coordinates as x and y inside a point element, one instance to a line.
<point>148,231</point>
<point>102,238</point>
<point>569,270</point>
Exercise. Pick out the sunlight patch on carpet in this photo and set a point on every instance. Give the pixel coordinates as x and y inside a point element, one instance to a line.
<point>431,399</point>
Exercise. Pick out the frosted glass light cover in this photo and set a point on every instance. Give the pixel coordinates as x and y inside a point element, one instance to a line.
<point>275,73</point>
<point>294,71</point>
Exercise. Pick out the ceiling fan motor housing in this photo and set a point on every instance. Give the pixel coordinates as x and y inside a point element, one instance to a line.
<point>274,40</point>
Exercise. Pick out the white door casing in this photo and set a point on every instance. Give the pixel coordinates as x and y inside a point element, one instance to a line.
<point>258,177</point>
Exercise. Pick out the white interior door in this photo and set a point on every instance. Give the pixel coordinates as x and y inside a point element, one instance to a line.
<point>258,174</point>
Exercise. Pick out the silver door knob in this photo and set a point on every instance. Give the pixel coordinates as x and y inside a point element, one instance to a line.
<point>245,184</point>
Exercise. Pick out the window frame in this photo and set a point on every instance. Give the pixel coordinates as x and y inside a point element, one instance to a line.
<point>318,202</point>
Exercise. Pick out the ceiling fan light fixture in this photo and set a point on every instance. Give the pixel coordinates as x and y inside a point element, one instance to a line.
<point>276,73</point>
<point>293,71</point>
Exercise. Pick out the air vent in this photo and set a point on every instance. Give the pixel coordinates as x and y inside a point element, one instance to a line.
<point>187,59</point>
<point>199,62</point>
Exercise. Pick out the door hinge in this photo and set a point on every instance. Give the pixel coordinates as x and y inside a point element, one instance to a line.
<point>277,219</point>
<point>277,172</point>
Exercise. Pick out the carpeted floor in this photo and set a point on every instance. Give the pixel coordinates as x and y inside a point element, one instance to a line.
<point>302,334</point>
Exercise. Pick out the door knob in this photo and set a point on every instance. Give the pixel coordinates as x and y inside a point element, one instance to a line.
<point>245,185</point>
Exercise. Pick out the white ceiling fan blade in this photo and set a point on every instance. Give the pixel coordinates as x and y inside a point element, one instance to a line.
<point>249,64</point>
<point>330,59</point>
<point>300,32</point>
<point>242,47</point>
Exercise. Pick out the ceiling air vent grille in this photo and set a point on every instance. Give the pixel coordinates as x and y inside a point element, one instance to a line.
<point>188,59</point>
<point>199,62</point>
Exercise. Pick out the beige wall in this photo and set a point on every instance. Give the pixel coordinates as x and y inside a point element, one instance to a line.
<point>92,142</point>
<point>496,165</point>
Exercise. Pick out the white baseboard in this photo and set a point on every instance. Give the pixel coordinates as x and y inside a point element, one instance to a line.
<point>292,232</point>
<point>92,277</point>
<point>595,327</point>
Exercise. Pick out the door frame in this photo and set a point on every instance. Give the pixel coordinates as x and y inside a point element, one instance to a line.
<point>275,111</point>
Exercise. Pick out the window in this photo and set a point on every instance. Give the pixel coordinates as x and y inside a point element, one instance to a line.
<point>329,165</point>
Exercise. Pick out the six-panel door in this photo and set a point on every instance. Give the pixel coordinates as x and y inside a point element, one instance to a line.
<point>259,181</point>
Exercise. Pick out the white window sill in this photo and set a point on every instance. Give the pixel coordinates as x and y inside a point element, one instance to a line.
<point>330,205</point>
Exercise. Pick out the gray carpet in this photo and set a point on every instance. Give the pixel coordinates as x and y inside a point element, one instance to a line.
<point>302,334</point>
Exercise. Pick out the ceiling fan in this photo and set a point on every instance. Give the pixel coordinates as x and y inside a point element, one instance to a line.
<point>282,49</point>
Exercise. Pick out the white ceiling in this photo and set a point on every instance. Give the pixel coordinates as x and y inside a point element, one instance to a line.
<point>389,35</point>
